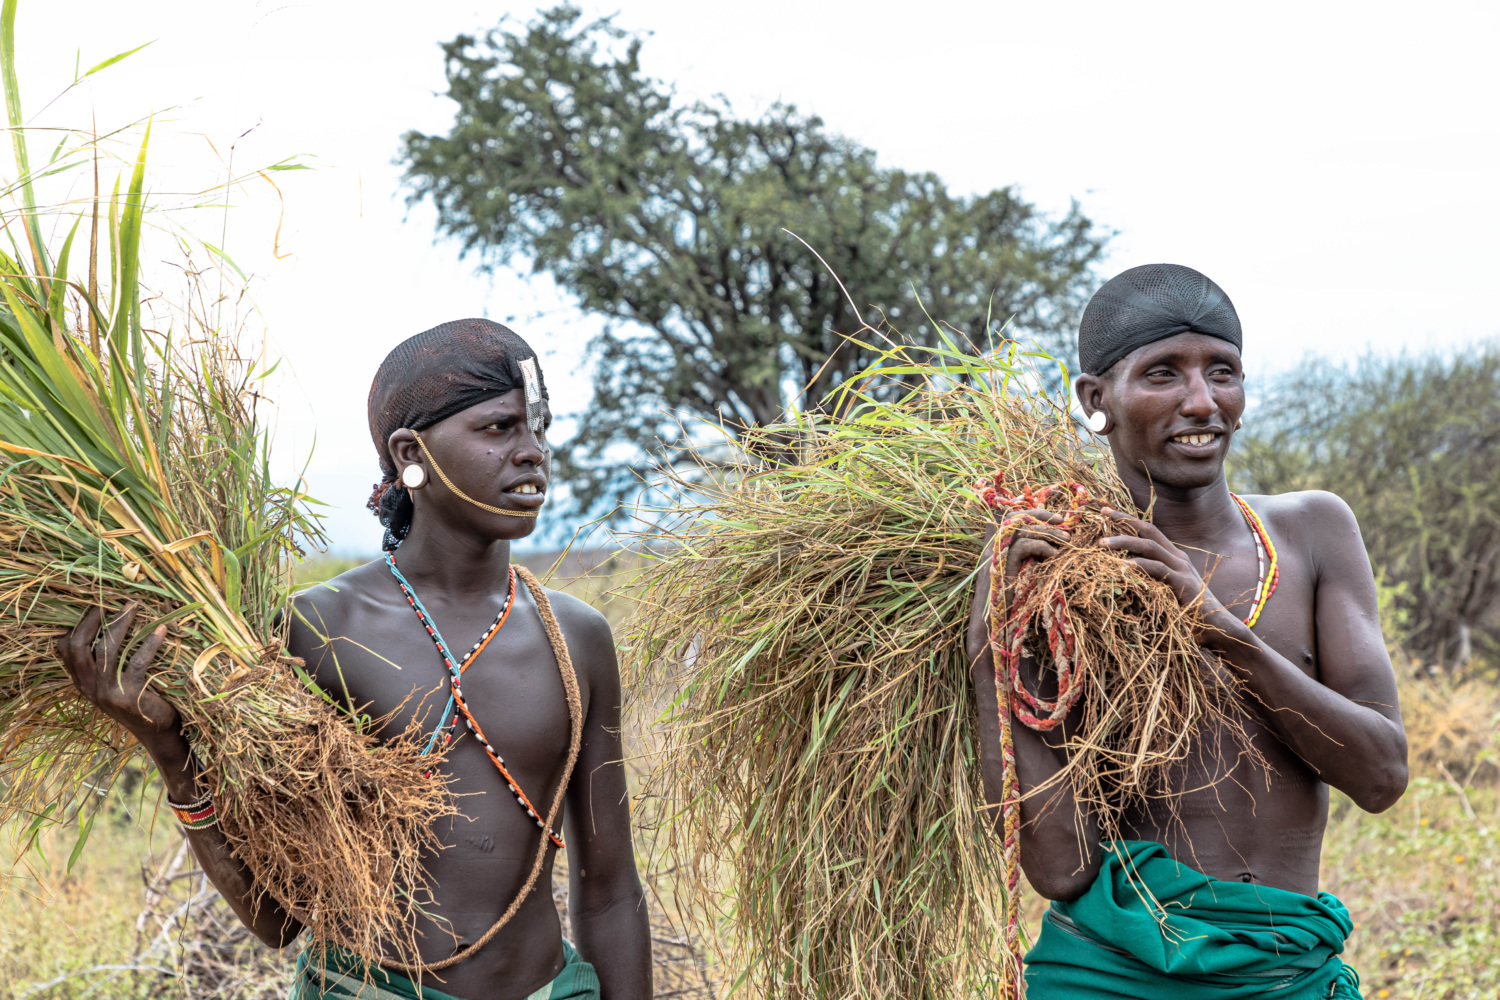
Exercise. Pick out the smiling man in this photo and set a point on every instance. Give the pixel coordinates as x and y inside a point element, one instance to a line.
<point>1215,892</point>
<point>524,680</point>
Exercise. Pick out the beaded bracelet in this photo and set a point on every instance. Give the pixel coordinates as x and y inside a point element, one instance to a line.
<point>198,815</point>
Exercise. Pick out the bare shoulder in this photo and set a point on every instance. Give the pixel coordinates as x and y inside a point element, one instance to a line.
<point>1317,521</point>
<point>591,643</point>
<point>324,609</point>
<point>585,628</point>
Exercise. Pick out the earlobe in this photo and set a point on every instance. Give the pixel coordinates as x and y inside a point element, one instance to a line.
<point>1089,392</point>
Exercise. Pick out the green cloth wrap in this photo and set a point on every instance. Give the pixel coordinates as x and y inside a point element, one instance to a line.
<point>1203,939</point>
<point>342,974</point>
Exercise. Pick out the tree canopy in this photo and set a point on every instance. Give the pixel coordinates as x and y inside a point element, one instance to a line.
<point>1413,445</point>
<point>671,220</point>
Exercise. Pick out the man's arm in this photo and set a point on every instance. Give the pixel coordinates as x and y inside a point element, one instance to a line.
<point>1345,723</point>
<point>126,696</point>
<point>608,905</point>
<point>1059,842</point>
<point>265,917</point>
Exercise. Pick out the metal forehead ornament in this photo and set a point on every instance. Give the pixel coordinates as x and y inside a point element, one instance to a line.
<point>533,382</point>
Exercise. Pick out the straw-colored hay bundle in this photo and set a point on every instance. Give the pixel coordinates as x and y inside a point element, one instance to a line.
<point>805,625</point>
<point>133,466</point>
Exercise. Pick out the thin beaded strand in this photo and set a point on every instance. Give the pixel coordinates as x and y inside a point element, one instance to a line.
<point>449,719</point>
<point>1267,576</point>
<point>455,684</point>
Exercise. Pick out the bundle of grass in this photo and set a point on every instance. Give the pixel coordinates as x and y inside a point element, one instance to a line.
<point>136,468</point>
<point>804,624</point>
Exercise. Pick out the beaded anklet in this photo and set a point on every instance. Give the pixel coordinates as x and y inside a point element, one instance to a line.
<point>198,815</point>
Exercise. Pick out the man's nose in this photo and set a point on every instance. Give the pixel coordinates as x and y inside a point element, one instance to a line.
<point>1199,401</point>
<point>532,449</point>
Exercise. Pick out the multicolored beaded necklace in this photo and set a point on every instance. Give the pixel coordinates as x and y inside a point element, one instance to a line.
<point>448,720</point>
<point>1266,576</point>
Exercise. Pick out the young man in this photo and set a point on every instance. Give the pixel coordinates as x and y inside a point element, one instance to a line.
<point>459,417</point>
<point>1231,906</point>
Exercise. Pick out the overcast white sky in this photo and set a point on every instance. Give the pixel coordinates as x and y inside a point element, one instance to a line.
<point>1331,165</point>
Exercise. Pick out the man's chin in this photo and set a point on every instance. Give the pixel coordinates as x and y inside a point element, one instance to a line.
<point>510,529</point>
<point>1186,475</point>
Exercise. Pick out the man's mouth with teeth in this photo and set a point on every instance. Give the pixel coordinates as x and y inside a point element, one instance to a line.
<point>527,490</point>
<point>1195,438</point>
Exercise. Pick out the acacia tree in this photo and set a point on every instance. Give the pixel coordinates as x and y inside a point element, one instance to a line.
<point>1413,445</point>
<point>671,220</point>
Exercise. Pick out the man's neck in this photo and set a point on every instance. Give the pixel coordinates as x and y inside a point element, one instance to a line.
<point>1193,516</point>
<point>437,559</point>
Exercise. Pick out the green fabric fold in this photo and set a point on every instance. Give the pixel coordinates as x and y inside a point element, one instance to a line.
<point>342,975</point>
<point>1151,927</point>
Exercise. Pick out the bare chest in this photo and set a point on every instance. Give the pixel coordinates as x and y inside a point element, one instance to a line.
<point>1258,815</point>
<point>1286,586</point>
<point>386,665</point>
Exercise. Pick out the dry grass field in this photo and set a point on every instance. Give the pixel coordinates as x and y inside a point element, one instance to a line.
<point>133,920</point>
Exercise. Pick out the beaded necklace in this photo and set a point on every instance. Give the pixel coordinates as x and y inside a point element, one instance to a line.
<point>1267,572</point>
<point>574,698</point>
<point>455,686</point>
<point>449,719</point>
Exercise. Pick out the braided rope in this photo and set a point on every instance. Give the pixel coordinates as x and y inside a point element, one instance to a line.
<point>1010,791</point>
<point>1008,629</point>
<point>575,742</point>
<point>460,493</point>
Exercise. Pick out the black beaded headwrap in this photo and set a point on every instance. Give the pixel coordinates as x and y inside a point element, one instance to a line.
<point>432,376</point>
<point>1147,304</point>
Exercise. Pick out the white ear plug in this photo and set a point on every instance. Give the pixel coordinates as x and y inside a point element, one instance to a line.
<point>414,477</point>
<point>1097,421</point>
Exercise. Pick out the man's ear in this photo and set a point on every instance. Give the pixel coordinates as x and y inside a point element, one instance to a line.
<point>1090,390</point>
<point>404,449</point>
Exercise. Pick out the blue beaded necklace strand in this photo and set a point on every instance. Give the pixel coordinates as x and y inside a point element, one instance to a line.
<point>455,686</point>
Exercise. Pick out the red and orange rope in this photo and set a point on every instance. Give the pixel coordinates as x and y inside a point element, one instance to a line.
<point>1008,629</point>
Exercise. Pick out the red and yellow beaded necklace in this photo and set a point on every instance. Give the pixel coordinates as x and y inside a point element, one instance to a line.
<point>1268,573</point>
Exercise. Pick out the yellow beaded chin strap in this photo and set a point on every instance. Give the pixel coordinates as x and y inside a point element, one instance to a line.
<point>460,493</point>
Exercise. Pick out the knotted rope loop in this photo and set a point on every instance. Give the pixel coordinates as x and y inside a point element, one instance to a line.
<point>1009,626</point>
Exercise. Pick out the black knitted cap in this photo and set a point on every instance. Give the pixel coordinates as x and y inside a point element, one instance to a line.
<point>1147,304</point>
